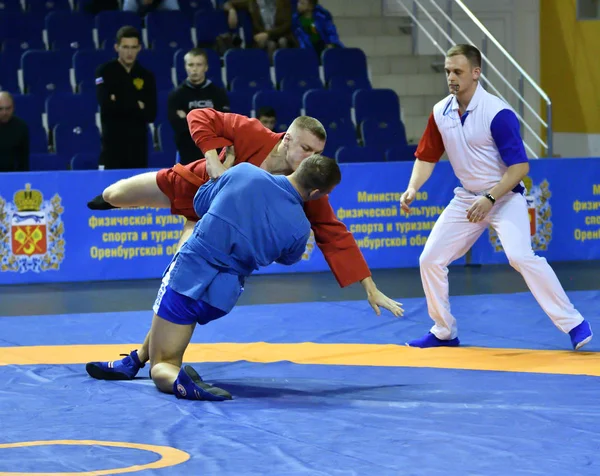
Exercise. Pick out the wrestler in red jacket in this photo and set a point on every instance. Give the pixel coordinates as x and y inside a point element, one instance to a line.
<point>276,152</point>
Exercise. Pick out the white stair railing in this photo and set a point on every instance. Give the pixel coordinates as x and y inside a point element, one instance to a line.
<point>537,121</point>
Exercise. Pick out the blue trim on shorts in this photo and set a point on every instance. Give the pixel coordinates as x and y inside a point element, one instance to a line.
<point>183,310</point>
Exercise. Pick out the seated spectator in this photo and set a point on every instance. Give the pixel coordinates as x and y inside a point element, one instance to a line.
<point>145,6</point>
<point>267,117</point>
<point>14,137</point>
<point>271,21</point>
<point>313,27</point>
<point>195,92</point>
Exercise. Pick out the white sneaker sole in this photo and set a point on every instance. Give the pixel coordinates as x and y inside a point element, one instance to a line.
<point>584,341</point>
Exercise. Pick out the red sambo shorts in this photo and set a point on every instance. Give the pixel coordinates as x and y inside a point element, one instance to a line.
<point>180,183</point>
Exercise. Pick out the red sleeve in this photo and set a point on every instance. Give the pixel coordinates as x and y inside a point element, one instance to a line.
<point>211,129</point>
<point>208,129</point>
<point>337,244</point>
<point>431,146</point>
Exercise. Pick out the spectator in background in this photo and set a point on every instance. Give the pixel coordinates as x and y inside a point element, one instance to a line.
<point>268,117</point>
<point>14,137</point>
<point>94,7</point>
<point>145,6</point>
<point>313,27</point>
<point>127,97</point>
<point>271,21</point>
<point>195,92</point>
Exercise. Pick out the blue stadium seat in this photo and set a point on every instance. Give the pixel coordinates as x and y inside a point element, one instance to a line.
<point>209,25</point>
<point>71,139</point>
<point>245,28</point>
<point>240,103</point>
<point>85,63</point>
<point>150,142</point>
<point>190,7</point>
<point>23,27</point>
<point>339,134</point>
<point>44,6</point>
<point>379,104</point>
<point>349,85</point>
<point>160,160</point>
<point>38,139</point>
<point>14,45</point>
<point>355,153</point>
<point>69,108</point>
<point>9,65</point>
<point>214,66</point>
<point>67,30</point>
<point>110,21</point>
<point>295,63</point>
<point>287,106</point>
<point>252,63</point>
<point>46,72</point>
<point>344,62</point>
<point>401,153</point>
<point>251,85</point>
<point>166,140</point>
<point>300,84</point>
<point>169,29</point>
<point>85,161</point>
<point>383,134</point>
<point>160,63</point>
<point>29,107</point>
<point>162,113</point>
<point>327,106</point>
<point>10,6</point>
<point>47,161</point>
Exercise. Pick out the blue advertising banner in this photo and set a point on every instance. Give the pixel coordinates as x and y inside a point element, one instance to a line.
<point>47,233</point>
<point>563,197</point>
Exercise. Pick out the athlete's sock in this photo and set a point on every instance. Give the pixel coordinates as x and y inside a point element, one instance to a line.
<point>98,203</point>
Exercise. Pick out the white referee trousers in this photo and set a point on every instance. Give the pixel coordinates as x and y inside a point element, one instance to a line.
<point>453,235</point>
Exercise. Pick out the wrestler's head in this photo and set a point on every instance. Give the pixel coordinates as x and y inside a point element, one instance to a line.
<point>316,176</point>
<point>305,136</point>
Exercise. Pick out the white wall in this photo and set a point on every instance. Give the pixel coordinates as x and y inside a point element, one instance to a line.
<point>514,23</point>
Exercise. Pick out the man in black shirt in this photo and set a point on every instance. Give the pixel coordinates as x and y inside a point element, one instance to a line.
<point>196,92</point>
<point>14,137</point>
<point>127,96</point>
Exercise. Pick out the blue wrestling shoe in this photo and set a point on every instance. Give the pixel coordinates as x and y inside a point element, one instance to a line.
<point>430,340</point>
<point>581,335</point>
<point>190,386</point>
<point>124,369</point>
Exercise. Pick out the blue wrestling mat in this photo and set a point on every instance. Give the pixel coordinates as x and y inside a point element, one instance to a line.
<point>319,389</point>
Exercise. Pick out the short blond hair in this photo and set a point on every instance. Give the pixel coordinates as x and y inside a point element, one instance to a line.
<point>470,52</point>
<point>311,125</point>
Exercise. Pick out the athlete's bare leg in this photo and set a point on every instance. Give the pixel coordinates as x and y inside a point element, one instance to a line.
<point>144,351</point>
<point>137,191</point>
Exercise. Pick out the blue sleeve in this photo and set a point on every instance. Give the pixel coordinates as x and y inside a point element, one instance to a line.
<point>206,194</point>
<point>294,254</point>
<point>506,132</point>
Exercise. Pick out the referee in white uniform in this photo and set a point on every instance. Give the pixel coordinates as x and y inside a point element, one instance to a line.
<point>480,133</point>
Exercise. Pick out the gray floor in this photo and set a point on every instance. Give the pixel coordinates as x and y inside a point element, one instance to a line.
<point>107,296</point>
